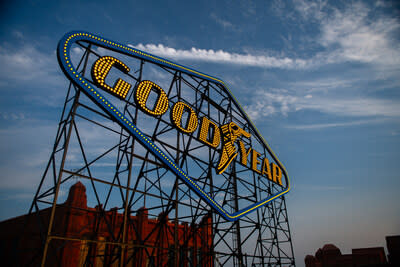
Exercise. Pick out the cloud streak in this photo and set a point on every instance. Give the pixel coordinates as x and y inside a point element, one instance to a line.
<point>221,56</point>
<point>224,23</point>
<point>332,125</point>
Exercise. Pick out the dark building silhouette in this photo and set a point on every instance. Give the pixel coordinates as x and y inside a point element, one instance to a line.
<point>393,247</point>
<point>82,224</point>
<point>330,256</point>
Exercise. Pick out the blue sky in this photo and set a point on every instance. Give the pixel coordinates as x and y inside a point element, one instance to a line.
<point>320,79</point>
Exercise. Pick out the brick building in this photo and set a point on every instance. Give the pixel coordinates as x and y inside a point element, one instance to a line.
<point>89,237</point>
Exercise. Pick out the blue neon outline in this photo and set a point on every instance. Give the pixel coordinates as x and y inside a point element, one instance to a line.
<point>63,55</point>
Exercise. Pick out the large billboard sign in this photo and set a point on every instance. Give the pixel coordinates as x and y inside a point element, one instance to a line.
<point>220,137</point>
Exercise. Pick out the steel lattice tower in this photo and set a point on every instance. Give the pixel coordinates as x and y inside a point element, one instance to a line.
<point>120,175</point>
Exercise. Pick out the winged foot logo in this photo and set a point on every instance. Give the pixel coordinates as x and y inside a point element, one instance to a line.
<point>230,133</point>
<point>209,132</point>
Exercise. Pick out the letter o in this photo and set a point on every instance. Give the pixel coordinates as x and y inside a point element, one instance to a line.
<point>142,94</point>
<point>176,117</point>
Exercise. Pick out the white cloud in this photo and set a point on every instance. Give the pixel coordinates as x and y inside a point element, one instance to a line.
<point>269,103</point>
<point>220,56</point>
<point>382,3</point>
<point>332,125</point>
<point>12,116</point>
<point>28,64</point>
<point>324,85</point>
<point>224,23</point>
<point>283,102</point>
<point>310,9</point>
<point>353,35</point>
<point>352,106</point>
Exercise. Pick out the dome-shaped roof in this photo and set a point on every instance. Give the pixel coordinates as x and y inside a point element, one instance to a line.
<point>330,247</point>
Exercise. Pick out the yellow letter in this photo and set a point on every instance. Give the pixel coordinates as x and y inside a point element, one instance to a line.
<point>176,117</point>
<point>266,169</point>
<point>205,129</point>
<point>142,94</point>
<point>276,173</point>
<point>243,153</point>
<point>255,161</point>
<point>100,70</point>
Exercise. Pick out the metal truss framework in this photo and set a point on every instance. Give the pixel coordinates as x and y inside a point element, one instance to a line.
<point>118,172</point>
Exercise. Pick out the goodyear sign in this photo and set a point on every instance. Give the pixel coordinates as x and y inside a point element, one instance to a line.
<point>236,140</point>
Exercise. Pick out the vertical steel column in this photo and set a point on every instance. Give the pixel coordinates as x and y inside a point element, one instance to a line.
<point>53,208</point>
<point>126,208</point>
